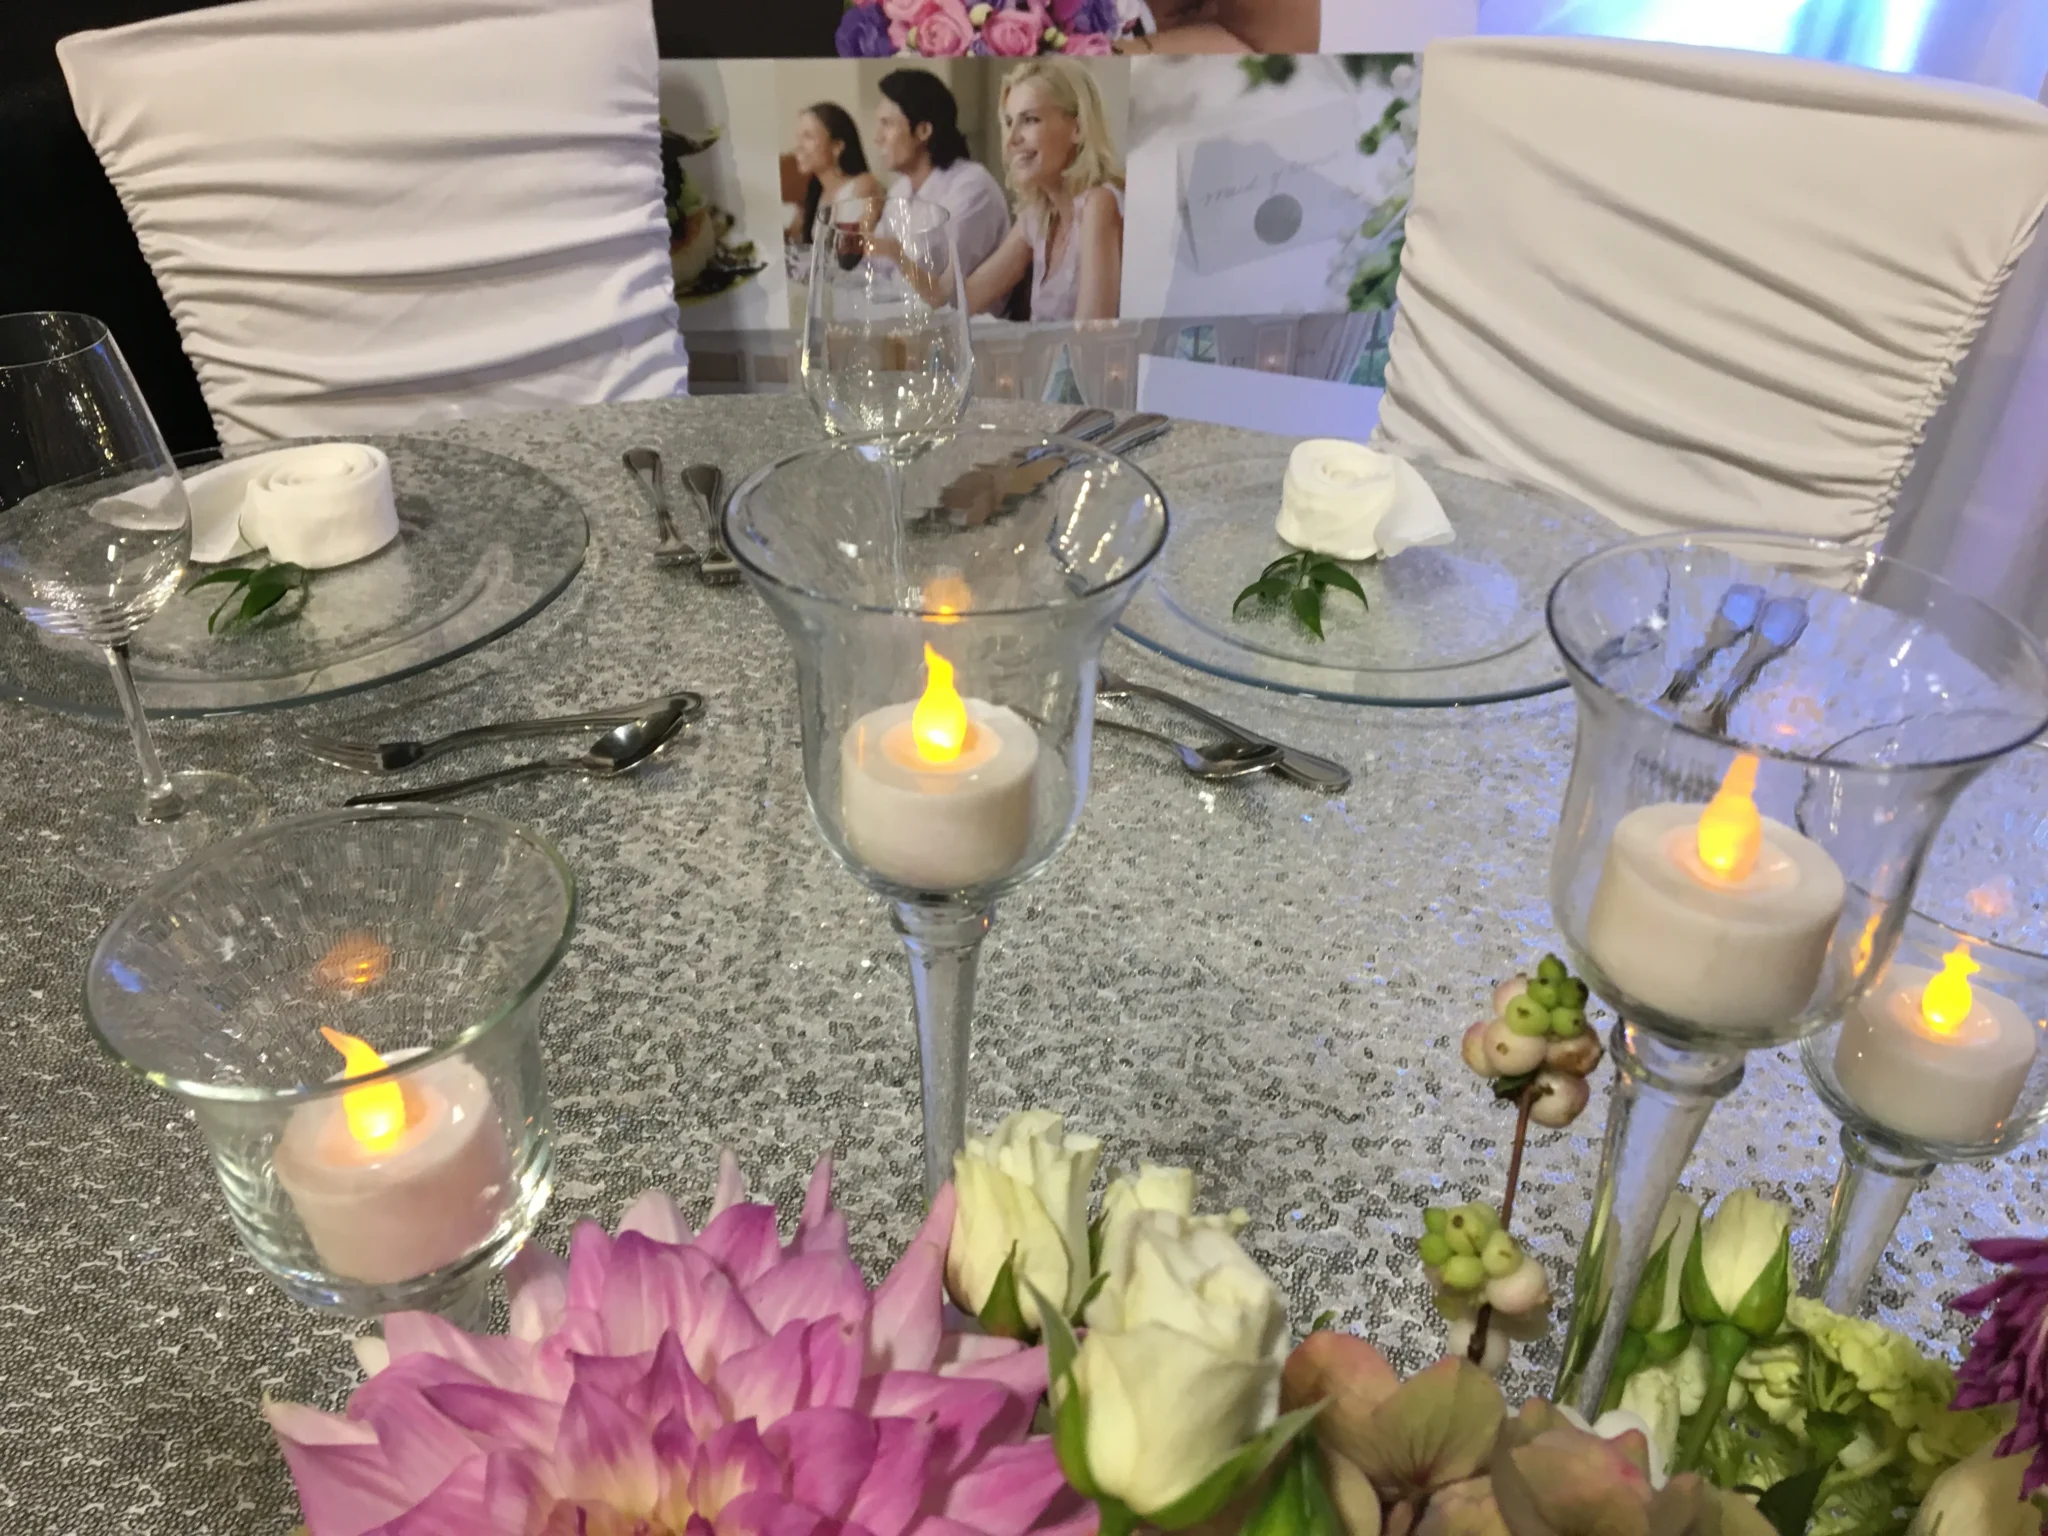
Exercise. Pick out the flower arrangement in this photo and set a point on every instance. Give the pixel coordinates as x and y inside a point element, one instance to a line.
<point>1116,1363</point>
<point>946,29</point>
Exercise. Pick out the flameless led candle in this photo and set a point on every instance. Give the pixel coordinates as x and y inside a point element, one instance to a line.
<point>937,795</point>
<point>396,1178</point>
<point>1932,1057</point>
<point>1717,915</point>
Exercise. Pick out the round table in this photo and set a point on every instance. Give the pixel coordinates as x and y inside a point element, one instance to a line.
<point>1262,983</point>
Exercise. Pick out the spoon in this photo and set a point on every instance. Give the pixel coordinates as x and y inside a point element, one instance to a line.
<point>619,750</point>
<point>1225,760</point>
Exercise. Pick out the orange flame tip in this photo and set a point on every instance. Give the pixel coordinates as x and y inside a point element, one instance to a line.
<point>376,1111</point>
<point>1948,1000</point>
<point>939,726</point>
<point>1731,833</point>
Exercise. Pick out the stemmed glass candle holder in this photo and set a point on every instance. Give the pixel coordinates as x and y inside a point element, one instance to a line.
<point>349,1005</point>
<point>946,658</point>
<point>1942,1061</point>
<point>95,533</point>
<point>1732,878</point>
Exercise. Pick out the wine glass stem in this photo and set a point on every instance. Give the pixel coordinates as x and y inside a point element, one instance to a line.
<point>163,801</point>
<point>1871,1194</point>
<point>943,940</point>
<point>1663,1094</point>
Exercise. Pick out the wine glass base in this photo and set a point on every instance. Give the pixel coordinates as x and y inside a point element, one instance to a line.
<point>114,842</point>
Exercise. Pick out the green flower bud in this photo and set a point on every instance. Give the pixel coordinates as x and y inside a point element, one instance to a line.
<point>1485,1220</point>
<point>1526,1016</point>
<point>1502,1255</point>
<point>1551,969</point>
<point>1436,1250</point>
<point>1545,993</point>
<point>1435,1219</point>
<point>1464,1273</point>
<point>1572,993</point>
<point>1566,1022</point>
<point>1458,1237</point>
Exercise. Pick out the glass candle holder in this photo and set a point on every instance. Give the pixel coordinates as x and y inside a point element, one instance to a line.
<point>1944,1059</point>
<point>349,1005</point>
<point>1770,731</point>
<point>947,598</point>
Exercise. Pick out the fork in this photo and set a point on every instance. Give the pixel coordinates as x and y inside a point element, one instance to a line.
<point>1302,767</point>
<point>717,568</point>
<point>395,756</point>
<point>645,463</point>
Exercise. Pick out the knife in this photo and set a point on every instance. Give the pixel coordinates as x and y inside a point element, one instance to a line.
<point>973,497</point>
<point>1025,479</point>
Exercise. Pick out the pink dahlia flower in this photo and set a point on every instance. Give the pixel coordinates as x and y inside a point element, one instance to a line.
<point>664,1384</point>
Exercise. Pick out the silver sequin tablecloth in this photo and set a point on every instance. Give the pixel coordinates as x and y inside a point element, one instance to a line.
<point>1250,979</point>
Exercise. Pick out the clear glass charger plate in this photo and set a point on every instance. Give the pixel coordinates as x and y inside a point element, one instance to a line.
<point>1461,623</point>
<point>484,543</point>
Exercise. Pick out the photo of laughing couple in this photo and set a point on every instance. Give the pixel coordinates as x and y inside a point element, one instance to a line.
<point>1026,160</point>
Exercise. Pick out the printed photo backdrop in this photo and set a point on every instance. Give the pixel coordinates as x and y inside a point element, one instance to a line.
<point>1262,195</point>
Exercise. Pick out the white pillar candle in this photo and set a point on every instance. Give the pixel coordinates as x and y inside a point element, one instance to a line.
<point>1738,947</point>
<point>384,1214</point>
<point>1944,1075</point>
<point>933,822</point>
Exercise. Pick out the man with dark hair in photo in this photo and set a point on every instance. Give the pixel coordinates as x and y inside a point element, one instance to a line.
<point>917,135</point>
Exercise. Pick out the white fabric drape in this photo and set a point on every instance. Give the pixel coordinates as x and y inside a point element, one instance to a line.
<point>1699,288</point>
<point>369,215</point>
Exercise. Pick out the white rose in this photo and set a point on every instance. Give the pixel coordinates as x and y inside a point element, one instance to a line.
<point>1979,1496</point>
<point>1742,1259</point>
<point>1023,1197</point>
<point>1181,1364</point>
<point>1157,1188</point>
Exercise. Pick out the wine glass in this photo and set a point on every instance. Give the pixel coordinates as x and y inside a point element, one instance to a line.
<point>1733,866</point>
<point>946,667</point>
<point>885,343</point>
<point>95,533</point>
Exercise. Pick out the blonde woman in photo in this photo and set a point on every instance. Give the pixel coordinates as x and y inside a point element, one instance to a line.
<point>1068,178</point>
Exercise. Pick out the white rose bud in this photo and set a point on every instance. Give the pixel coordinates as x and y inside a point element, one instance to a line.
<point>1023,1198</point>
<point>1979,1496</point>
<point>1738,1273</point>
<point>1181,1363</point>
<point>1157,1188</point>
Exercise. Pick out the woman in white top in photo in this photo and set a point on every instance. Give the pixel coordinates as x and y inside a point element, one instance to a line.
<point>1069,182</point>
<point>827,150</point>
<point>917,135</point>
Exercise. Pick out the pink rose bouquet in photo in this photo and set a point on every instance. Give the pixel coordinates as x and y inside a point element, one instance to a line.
<point>949,29</point>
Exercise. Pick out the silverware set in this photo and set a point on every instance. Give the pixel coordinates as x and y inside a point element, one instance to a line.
<point>714,564</point>
<point>1241,751</point>
<point>634,734</point>
<point>1771,626</point>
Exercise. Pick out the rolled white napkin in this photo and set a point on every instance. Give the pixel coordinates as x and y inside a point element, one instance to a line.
<point>1343,500</point>
<point>324,505</point>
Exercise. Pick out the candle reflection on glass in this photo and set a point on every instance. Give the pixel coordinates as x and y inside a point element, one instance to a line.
<point>1930,1056</point>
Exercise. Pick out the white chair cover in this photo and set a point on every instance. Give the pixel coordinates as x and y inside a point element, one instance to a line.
<point>1699,288</point>
<point>369,215</point>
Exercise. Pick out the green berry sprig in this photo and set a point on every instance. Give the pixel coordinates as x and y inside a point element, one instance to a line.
<point>1538,1039</point>
<point>1473,1261</point>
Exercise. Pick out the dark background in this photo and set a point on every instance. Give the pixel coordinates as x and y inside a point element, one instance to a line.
<point>65,242</point>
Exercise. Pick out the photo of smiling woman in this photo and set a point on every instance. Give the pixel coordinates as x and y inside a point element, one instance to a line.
<point>1067,175</point>
<point>826,148</point>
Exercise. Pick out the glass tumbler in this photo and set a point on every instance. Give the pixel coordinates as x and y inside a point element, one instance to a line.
<point>349,1005</point>
<point>1770,731</point>
<point>947,606</point>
